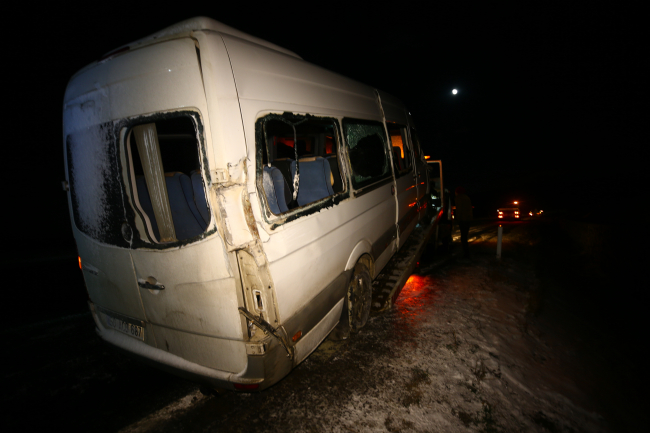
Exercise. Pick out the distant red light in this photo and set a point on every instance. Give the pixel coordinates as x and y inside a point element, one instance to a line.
<point>80,263</point>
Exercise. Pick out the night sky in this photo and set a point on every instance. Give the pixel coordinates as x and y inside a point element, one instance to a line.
<point>548,109</point>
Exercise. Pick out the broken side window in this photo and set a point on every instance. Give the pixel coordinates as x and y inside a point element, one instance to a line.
<point>95,187</point>
<point>300,160</point>
<point>367,144</point>
<point>401,148</point>
<point>168,192</point>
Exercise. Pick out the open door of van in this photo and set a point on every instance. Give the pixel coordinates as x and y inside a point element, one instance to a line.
<point>405,173</point>
<point>422,179</point>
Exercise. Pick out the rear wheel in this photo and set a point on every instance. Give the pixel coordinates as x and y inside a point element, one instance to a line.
<point>358,300</point>
<point>359,297</point>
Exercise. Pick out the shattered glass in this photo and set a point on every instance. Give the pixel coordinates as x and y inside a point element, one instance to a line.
<point>367,150</point>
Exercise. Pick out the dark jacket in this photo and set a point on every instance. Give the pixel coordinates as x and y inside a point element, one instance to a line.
<point>463,208</point>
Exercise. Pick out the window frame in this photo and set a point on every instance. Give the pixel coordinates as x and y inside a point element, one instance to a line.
<point>380,181</point>
<point>406,141</point>
<point>261,147</point>
<point>135,217</point>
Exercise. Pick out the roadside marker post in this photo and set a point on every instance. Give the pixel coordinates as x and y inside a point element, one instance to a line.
<point>499,236</point>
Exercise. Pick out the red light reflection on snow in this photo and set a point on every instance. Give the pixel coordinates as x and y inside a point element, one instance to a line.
<point>409,292</point>
<point>417,294</point>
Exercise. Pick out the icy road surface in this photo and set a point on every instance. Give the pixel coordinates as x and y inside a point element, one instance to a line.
<point>470,346</point>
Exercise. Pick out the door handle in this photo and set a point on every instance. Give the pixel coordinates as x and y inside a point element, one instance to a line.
<point>147,284</point>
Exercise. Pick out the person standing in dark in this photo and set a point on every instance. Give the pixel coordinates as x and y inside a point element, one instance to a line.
<point>462,217</point>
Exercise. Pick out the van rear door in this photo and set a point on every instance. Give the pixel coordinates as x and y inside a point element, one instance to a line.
<point>184,274</point>
<point>147,237</point>
<point>97,210</point>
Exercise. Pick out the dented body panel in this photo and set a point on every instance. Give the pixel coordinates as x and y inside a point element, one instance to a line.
<point>230,288</point>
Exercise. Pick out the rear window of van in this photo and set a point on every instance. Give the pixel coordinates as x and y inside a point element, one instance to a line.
<point>95,187</point>
<point>166,183</point>
<point>145,189</point>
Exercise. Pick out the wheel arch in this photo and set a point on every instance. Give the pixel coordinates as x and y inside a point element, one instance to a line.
<point>361,251</point>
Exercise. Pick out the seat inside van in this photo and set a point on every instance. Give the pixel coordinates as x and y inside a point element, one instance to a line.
<point>311,144</point>
<point>276,190</point>
<point>187,202</point>
<point>284,166</point>
<point>315,179</point>
<point>337,186</point>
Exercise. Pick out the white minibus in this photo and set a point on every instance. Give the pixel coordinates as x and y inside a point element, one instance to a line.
<point>232,203</point>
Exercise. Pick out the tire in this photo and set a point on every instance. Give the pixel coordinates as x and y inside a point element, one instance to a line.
<point>359,297</point>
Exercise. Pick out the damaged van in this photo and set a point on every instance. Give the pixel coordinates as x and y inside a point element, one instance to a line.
<point>232,204</point>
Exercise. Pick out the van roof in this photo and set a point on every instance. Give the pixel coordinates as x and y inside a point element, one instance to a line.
<point>197,24</point>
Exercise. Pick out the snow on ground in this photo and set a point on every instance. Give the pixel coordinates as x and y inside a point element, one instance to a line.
<point>476,365</point>
<point>458,352</point>
<point>471,345</point>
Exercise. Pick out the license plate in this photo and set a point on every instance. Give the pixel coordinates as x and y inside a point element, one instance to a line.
<point>125,327</point>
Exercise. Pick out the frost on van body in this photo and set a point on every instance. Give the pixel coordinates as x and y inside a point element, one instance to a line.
<point>95,191</point>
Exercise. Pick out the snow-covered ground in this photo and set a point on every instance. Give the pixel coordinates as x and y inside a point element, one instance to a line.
<point>471,345</point>
<point>474,362</point>
<point>460,351</point>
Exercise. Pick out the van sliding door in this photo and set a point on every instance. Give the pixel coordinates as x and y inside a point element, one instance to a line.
<point>405,180</point>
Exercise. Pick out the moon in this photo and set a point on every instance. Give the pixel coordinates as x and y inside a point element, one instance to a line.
<point>455,91</point>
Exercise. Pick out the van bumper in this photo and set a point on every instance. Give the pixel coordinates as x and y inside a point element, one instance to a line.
<point>262,370</point>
